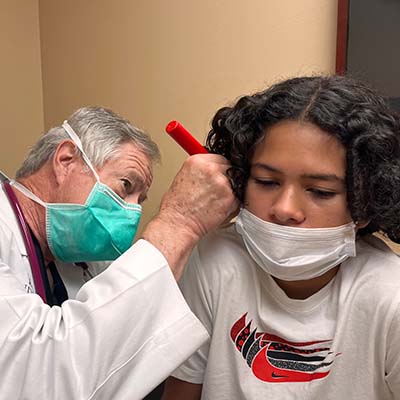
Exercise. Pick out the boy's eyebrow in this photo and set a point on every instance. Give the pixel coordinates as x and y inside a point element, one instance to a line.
<point>325,177</point>
<point>319,177</point>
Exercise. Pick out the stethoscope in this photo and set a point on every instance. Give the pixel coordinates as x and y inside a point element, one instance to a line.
<point>30,248</point>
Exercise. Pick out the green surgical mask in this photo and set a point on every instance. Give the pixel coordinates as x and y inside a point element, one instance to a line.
<point>101,229</point>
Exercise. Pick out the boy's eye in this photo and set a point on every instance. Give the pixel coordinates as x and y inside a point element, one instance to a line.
<point>322,194</point>
<point>266,182</point>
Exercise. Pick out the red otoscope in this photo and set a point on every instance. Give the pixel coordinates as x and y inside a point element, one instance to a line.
<point>184,138</point>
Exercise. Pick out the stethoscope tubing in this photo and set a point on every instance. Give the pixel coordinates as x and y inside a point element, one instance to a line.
<point>30,248</point>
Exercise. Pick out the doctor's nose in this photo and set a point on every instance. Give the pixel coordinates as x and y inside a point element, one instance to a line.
<point>287,209</point>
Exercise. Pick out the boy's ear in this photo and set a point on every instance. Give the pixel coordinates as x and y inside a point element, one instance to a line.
<point>360,225</point>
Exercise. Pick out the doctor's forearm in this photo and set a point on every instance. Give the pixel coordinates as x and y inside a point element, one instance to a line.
<point>174,241</point>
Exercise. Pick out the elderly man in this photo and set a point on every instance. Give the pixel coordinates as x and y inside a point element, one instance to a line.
<point>77,199</point>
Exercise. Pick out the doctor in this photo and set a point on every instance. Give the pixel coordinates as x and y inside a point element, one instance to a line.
<point>77,199</point>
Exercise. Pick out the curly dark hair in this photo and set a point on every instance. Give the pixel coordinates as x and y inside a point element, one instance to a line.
<point>348,109</point>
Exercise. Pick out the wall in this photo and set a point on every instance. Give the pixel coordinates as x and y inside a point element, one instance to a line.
<point>153,61</point>
<point>21,104</point>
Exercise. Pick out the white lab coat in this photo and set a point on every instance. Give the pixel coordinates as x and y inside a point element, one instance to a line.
<point>127,329</point>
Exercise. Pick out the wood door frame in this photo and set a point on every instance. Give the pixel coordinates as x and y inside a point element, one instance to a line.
<point>342,36</point>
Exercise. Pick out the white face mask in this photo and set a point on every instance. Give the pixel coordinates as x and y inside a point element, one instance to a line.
<point>292,254</point>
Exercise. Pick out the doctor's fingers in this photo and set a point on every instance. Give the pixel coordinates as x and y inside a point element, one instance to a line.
<point>202,173</point>
<point>201,194</point>
<point>208,158</point>
<point>215,164</point>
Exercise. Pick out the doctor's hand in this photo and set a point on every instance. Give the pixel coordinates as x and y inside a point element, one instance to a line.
<point>199,200</point>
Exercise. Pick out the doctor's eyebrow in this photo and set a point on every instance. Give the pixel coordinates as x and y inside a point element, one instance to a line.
<point>317,176</point>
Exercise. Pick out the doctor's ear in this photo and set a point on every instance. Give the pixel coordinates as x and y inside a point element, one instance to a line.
<point>66,158</point>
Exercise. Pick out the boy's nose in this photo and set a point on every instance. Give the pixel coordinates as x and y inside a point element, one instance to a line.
<point>287,208</point>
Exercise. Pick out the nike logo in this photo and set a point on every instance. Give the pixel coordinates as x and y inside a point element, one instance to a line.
<point>274,375</point>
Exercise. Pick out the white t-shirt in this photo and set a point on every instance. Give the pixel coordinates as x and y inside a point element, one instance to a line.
<point>341,343</point>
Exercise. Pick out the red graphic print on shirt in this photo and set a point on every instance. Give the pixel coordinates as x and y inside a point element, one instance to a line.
<point>273,359</point>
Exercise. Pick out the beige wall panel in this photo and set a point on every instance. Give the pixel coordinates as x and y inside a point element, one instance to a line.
<point>156,60</point>
<point>21,105</point>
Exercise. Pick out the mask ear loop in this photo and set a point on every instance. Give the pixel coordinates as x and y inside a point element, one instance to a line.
<point>75,138</point>
<point>27,192</point>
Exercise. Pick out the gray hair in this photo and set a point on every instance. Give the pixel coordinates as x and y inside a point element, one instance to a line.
<point>101,131</point>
